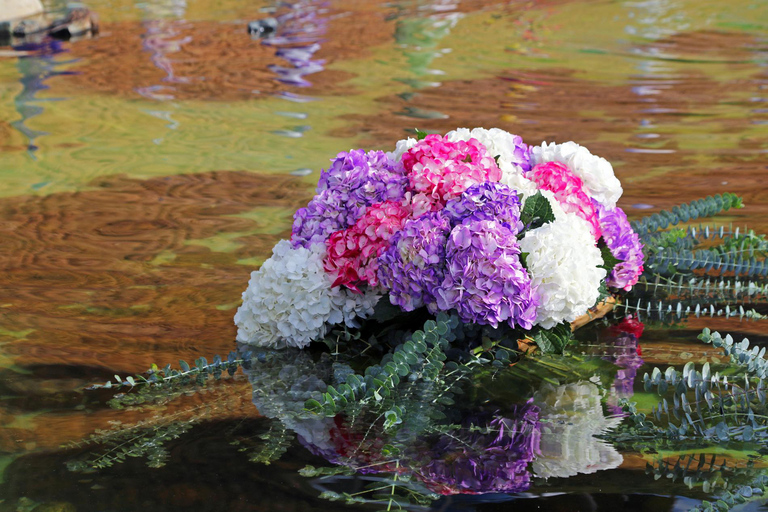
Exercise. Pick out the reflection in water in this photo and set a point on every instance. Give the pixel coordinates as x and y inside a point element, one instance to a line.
<point>478,447</point>
<point>572,415</point>
<point>128,271</point>
<point>297,39</point>
<point>164,20</point>
<point>163,23</point>
<point>419,37</point>
<point>35,68</point>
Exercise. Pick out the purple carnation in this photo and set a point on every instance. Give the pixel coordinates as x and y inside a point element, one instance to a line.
<point>413,266</point>
<point>624,244</point>
<point>482,463</point>
<point>486,201</point>
<point>354,181</point>
<point>485,280</point>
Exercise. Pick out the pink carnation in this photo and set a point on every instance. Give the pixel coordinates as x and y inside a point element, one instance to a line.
<point>352,253</point>
<point>569,191</point>
<point>443,170</point>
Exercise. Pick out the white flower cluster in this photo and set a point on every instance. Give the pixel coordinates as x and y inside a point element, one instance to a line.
<point>289,300</point>
<point>564,263</point>
<point>596,172</point>
<point>571,415</point>
<point>498,142</point>
<point>512,176</point>
<point>401,147</point>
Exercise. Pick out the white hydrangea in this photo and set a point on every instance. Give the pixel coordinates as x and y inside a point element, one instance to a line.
<point>349,306</point>
<point>289,300</point>
<point>596,172</point>
<point>498,142</point>
<point>401,147</point>
<point>571,415</point>
<point>512,176</point>
<point>563,261</point>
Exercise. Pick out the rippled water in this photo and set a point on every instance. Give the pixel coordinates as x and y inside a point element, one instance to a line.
<point>146,171</point>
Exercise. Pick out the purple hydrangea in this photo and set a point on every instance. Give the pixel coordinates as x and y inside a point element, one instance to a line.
<point>413,266</point>
<point>521,154</point>
<point>624,244</point>
<point>487,201</point>
<point>483,463</point>
<point>485,282</point>
<point>354,181</point>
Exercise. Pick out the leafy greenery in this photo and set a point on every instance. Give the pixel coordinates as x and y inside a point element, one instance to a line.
<point>536,211</point>
<point>167,383</point>
<point>707,207</point>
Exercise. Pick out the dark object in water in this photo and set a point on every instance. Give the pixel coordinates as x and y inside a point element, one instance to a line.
<point>75,23</point>
<point>263,27</point>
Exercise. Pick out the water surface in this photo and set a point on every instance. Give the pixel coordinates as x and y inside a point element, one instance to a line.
<point>147,171</point>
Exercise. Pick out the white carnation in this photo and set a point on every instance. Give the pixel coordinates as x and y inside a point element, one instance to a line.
<point>401,147</point>
<point>596,172</point>
<point>571,415</point>
<point>290,301</point>
<point>563,261</point>
<point>498,142</point>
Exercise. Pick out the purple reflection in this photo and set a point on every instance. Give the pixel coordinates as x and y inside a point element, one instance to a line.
<point>624,351</point>
<point>36,63</point>
<point>161,41</point>
<point>298,36</point>
<point>478,463</point>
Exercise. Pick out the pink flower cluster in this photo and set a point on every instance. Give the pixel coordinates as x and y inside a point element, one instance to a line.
<point>353,252</point>
<point>569,192</point>
<point>443,170</point>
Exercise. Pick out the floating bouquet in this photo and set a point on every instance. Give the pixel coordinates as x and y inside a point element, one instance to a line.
<point>475,222</point>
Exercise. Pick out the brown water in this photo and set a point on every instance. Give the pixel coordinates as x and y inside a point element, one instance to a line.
<point>146,172</point>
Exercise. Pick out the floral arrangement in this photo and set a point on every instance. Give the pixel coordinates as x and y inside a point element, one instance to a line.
<point>473,221</point>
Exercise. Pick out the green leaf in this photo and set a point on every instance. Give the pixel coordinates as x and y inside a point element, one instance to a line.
<point>609,260</point>
<point>554,340</point>
<point>536,211</point>
<point>385,311</point>
<point>420,135</point>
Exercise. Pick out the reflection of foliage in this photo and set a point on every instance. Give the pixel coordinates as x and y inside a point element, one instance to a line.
<point>149,437</point>
<point>144,439</point>
<point>730,486</point>
<point>275,442</point>
<point>707,406</point>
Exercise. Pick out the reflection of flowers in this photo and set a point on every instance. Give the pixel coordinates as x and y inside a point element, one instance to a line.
<point>624,352</point>
<point>496,461</point>
<point>571,415</point>
<point>282,382</point>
